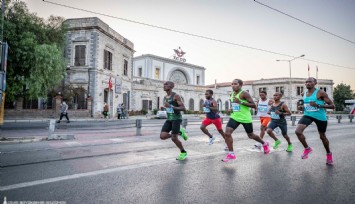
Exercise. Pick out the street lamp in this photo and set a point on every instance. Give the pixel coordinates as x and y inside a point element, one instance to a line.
<point>290,88</point>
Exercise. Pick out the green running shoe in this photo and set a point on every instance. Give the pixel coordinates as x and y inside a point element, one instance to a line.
<point>277,143</point>
<point>182,156</point>
<point>183,134</point>
<point>289,148</point>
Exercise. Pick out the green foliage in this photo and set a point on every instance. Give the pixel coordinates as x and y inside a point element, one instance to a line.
<point>35,61</point>
<point>342,92</point>
<point>155,111</point>
<point>144,111</point>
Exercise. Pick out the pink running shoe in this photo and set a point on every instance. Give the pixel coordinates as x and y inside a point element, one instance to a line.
<point>330,159</point>
<point>306,152</point>
<point>229,157</point>
<point>266,148</point>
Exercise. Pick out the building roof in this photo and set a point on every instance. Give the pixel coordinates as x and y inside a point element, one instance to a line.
<point>168,60</point>
<point>226,84</point>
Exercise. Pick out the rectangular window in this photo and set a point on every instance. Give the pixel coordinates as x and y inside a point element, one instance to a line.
<point>299,90</point>
<point>125,67</point>
<point>197,80</point>
<point>146,105</point>
<point>107,60</point>
<point>140,71</point>
<point>323,88</point>
<point>280,89</point>
<point>262,89</point>
<point>157,73</point>
<point>80,55</point>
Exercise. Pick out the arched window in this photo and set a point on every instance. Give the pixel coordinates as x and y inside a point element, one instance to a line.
<point>220,104</point>
<point>201,104</point>
<point>191,104</point>
<point>226,105</point>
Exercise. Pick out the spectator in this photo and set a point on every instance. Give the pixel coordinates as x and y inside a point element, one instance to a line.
<point>63,112</point>
<point>105,112</point>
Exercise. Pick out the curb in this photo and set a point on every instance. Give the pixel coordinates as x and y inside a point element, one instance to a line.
<point>18,140</point>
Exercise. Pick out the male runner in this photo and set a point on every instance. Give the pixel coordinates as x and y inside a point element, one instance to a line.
<point>212,117</point>
<point>263,105</point>
<point>315,103</point>
<point>241,103</point>
<point>278,111</point>
<point>173,106</point>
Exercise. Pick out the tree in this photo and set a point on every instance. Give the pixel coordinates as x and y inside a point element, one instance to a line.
<point>35,62</point>
<point>342,92</point>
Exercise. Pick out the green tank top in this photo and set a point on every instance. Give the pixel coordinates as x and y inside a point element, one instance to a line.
<point>240,112</point>
<point>171,113</point>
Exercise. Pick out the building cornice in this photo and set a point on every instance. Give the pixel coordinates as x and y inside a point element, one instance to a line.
<point>167,60</point>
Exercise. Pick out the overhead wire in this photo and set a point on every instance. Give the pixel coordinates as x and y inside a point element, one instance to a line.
<point>302,21</point>
<point>191,34</point>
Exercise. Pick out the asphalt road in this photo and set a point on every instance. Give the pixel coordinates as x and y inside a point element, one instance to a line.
<point>133,169</point>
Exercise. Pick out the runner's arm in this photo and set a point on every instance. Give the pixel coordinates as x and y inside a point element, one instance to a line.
<point>328,102</point>
<point>246,96</point>
<point>214,106</point>
<point>181,106</point>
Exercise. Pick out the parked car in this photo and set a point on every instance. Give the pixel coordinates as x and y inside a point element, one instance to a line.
<point>162,114</point>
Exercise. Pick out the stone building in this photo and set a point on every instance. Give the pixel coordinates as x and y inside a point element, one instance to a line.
<point>95,54</point>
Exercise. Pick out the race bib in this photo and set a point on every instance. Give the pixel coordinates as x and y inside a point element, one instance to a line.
<point>169,110</point>
<point>235,107</point>
<point>309,108</point>
<point>262,109</point>
<point>206,110</point>
<point>274,115</point>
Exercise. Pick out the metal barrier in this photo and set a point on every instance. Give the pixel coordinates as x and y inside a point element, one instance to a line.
<point>139,127</point>
<point>184,123</point>
<point>293,119</point>
<point>339,117</point>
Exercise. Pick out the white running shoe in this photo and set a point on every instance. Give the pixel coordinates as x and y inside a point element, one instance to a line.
<point>212,139</point>
<point>257,145</point>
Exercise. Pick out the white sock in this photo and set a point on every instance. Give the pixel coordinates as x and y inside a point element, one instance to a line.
<point>232,153</point>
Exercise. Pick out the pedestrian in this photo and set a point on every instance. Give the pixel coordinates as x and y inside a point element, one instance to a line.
<point>315,101</point>
<point>278,111</point>
<point>210,108</point>
<point>173,106</point>
<point>263,106</point>
<point>105,112</point>
<point>119,111</point>
<point>123,111</point>
<point>241,102</point>
<point>63,112</point>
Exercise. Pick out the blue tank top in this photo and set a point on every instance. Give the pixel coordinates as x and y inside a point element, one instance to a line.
<point>314,112</point>
<point>210,113</point>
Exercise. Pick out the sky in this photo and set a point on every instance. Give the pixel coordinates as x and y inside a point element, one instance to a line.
<point>241,22</point>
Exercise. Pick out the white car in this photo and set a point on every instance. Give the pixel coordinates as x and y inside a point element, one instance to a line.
<point>162,114</point>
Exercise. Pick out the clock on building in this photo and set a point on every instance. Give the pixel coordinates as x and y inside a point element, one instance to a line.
<point>178,77</point>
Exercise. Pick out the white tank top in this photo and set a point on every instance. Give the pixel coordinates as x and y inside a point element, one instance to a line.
<point>263,108</point>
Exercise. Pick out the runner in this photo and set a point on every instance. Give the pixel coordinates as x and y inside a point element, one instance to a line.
<point>212,117</point>
<point>315,103</point>
<point>241,103</point>
<point>173,106</point>
<point>263,105</point>
<point>278,112</point>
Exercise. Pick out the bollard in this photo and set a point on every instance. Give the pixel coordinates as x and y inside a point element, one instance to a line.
<point>51,128</point>
<point>293,119</point>
<point>351,117</point>
<point>184,123</point>
<point>339,118</point>
<point>139,127</point>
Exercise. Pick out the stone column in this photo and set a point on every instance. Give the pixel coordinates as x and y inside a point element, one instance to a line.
<point>58,102</point>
